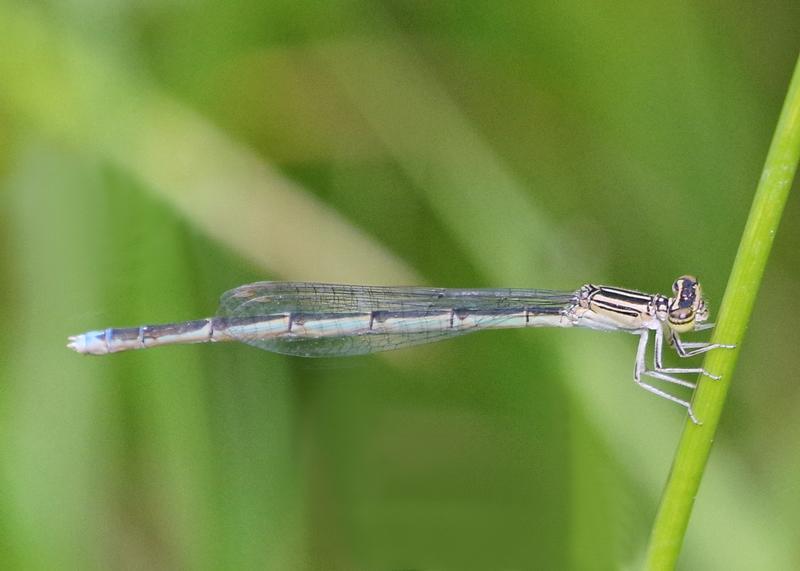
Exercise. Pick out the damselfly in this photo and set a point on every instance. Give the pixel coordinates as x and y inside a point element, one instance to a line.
<point>324,320</point>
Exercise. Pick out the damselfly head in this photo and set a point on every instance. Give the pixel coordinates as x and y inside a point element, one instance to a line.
<point>687,307</point>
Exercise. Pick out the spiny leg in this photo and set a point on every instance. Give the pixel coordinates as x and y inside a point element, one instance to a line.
<point>690,349</point>
<point>641,369</point>
<point>658,366</point>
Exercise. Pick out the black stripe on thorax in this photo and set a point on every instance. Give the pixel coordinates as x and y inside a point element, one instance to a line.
<point>622,294</point>
<point>617,308</point>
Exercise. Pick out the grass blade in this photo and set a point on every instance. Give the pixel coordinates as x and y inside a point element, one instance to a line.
<point>694,447</point>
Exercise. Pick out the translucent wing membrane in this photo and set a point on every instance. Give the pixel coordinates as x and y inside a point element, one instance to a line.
<point>266,298</point>
<point>353,320</point>
<point>346,345</point>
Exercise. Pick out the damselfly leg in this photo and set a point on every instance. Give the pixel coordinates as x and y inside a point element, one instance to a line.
<point>690,349</point>
<point>666,374</point>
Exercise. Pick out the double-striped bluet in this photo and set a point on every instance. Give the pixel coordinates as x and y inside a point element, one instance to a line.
<point>324,320</point>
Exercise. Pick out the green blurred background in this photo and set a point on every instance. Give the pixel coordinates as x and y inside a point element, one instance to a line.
<point>154,154</point>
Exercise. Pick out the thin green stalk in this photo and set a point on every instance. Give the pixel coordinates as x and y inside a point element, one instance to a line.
<point>692,455</point>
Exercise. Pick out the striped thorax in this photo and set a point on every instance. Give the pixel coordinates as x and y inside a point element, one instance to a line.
<point>614,308</point>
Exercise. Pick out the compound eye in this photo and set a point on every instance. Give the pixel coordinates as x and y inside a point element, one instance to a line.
<point>689,293</point>
<point>686,283</point>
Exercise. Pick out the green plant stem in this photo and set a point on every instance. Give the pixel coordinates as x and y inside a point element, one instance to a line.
<point>693,450</point>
